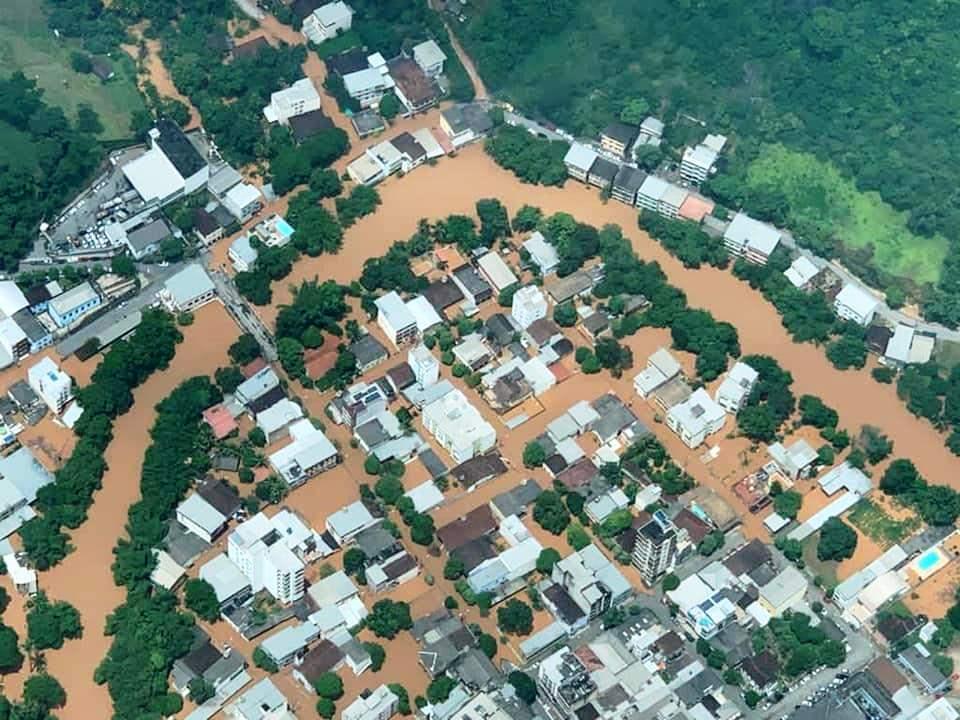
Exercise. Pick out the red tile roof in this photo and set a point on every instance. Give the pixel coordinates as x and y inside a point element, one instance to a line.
<point>253,367</point>
<point>220,421</point>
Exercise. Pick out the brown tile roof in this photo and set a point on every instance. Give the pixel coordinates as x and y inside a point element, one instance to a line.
<point>253,367</point>
<point>413,83</point>
<point>696,528</point>
<point>251,48</point>
<point>475,524</point>
<point>323,658</point>
<point>578,474</point>
<point>887,674</point>
<point>319,361</point>
<point>479,469</point>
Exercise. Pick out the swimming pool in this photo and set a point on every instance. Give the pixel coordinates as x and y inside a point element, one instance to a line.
<point>928,560</point>
<point>284,227</point>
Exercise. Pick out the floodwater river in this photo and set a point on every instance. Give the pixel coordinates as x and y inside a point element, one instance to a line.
<point>455,184</point>
<point>84,579</point>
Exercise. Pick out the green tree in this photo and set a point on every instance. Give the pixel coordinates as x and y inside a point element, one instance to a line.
<point>838,540</point>
<point>565,315</point>
<point>377,655</point>
<point>487,644</point>
<point>389,488</point>
<point>550,513</point>
<point>533,454</point>
<point>524,685</point>
<point>272,489</point>
<point>329,685</point>
<point>670,582</point>
<point>634,111</point>
<point>10,656</point>
<point>527,218</point>
<point>44,692</point>
<point>200,597</point>
<point>515,617</point>
<point>787,504</point>
<point>244,350</point>
<point>390,106</point>
<point>422,529</point>
<point>875,444</point>
<point>264,661</point>
<point>354,560</point>
<point>228,378</point>
<point>577,537</point>
<point>387,618</point>
<point>201,690</point>
<point>454,569</point>
<point>326,708</point>
<point>50,623</point>
<point>547,558</point>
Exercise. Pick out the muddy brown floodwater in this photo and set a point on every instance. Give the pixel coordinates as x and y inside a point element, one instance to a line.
<point>84,578</point>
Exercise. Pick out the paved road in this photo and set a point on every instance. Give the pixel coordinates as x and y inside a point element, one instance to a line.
<point>512,118</point>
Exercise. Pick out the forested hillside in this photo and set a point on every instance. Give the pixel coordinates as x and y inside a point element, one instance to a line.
<point>868,85</point>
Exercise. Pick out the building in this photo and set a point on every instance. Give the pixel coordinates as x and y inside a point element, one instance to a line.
<point>655,548</point>
<point>412,153</point>
<point>802,272</point>
<point>201,518</point>
<point>368,351</point>
<point>651,131</point>
<point>627,184</point>
<point>424,314</point>
<point>380,704</point>
<point>13,340</point>
<point>230,585</point>
<point>206,227</point>
<point>21,477</point>
<point>415,90</point>
<point>225,671</point>
<point>697,417</point>
<point>855,304</point>
<point>659,196</point>
<point>171,168</point>
<point>796,461</point>
<point>262,548</point>
<point>564,679</point>
<point>275,419</point>
<point>458,426</point>
<point>290,644</point>
<point>465,123</point>
<point>916,659</point>
<point>736,387</point>
<point>243,256</point>
<point>327,21</point>
<point>661,368</point>
<point>579,159</point>
<point>12,299</point>
<point>395,319</point>
<point>309,124</point>
<point>53,385</point>
<point>697,163</point>
<point>430,58</point>
<point>496,271</point>
<point>603,173</point>
<point>308,455</point>
<point>348,522</point>
<point>617,138</point>
<point>587,585</point>
<point>257,386</point>
<point>301,97</point>
<point>784,591</point>
<point>37,334</point>
<point>751,238</point>
<point>261,702</point>
<point>474,288</point>
<point>426,368</point>
<point>188,290</point>
<point>542,253</point>
<point>70,306</point>
<point>529,305</point>
<point>367,86</point>
<point>146,239</point>
<point>243,201</point>
<point>274,231</point>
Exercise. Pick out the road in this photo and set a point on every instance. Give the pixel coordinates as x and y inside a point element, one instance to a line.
<point>479,89</point>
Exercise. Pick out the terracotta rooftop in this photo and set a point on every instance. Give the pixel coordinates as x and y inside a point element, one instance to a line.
<point>220,421</point>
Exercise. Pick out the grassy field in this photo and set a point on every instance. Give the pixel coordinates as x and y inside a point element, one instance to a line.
<point>880,527</point>
<point>820,196</point>
<point>27,44</point>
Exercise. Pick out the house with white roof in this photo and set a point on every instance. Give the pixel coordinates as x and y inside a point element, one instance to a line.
<point>542,253</point>
<point>230,585</point>
<point>802,272</point>
<point>426,368</point>
<point>736,387</point>
<point>697,163</point>
<point>339,603</point>
<point>696,418</point>
<point>529,305</point>
<point>51,383</point>
<point>496,271</point>
<point>243,201</point>
<point>188,290</point>
<point>661,368</point>
<point>424,314</point>
<point>855,304</point>
<point>261,702</point>
<point>366,169</point>
<point>21,477</point>
<point>380,704</point>
<point>660,196</point>
<point>395,319</point>
<point>514,563</point>
<point>243,256</point>
<point>795,461</point>
<point>308,455</point>
<point>579,159</point>
<point>327,21</point>
<point>201,518</point>
<point>288,645</point>
<point>12,299</point>
<point>430,58</point>
<point>301,97</point>
<point>458,426</point>
<point>752,239</point>
<point>348,522</point>
<point>275,419</point>
<point>590,581</point>
<point>367,86</point>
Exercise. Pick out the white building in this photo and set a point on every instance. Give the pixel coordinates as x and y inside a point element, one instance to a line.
<point>243,256</point>
<point>655,548</point>
<point>367,86</point>
<point>327,21</point>
<point>243,201</point>
<point>496,271</point>
<point>696,418</point>
<point>801,272</point>
<point>660,196</point>
<point>430,58</point>
<point>53,385</point>
<point>309,454</point>
<point>275,419</point>
<point>378,705</point>
<point>188,290</point>
<point>855,304</point>
<point>543,254</point>
<point>261,702</point>
<point>171,168</point>
<point>301,97</point>
<point>395,319</point>
<point>458,426</point>
<point>263,549</point>
<point>579,159</point>
<point>661,368</point>
<point>424,314</point>
<point>697,163</point>
<point>348,522</point>
<point>529,305</point>
<point>751,238</point>
<point>736,386</point>
<point>426,368</point>
<point>201,518</point>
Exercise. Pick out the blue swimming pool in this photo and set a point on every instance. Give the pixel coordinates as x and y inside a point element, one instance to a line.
<point>284,227</point>
<point>928,560</point>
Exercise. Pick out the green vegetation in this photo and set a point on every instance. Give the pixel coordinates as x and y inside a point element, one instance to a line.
<point>550,513</point>
<point>685,241</point>
<point>838,541</point>
<point>388,618</point>
<point>532,159</point>
<point>770,402</point>
<point>936,504</point>
<point>50,623</point>
<point>876,524</point>
<point>533,454</point>
<point>515,617</point>
<point>30,47</point>
<point>787,504</point>
<point>656,462</point>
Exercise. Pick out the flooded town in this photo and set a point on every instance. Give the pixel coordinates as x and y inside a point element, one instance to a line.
<point>428,407</point>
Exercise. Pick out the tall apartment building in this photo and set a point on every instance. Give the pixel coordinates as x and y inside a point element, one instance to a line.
<point>51,383</point>
<point>529,305</point>
<point>564,679</point>
<point>458,426</point>
<point>655,547</point>
<point>327,21</point>
<point>262,548</point>
<point>395,319</point>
